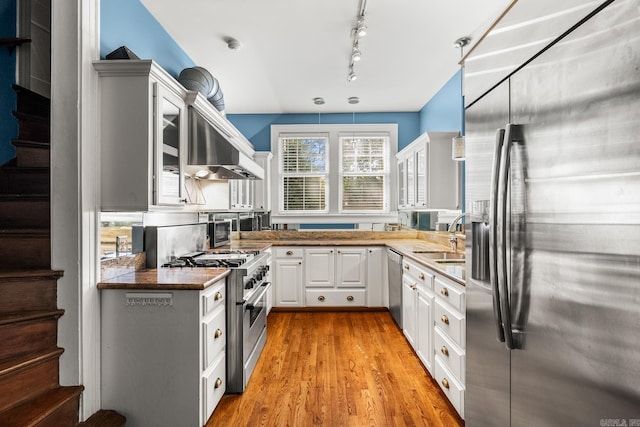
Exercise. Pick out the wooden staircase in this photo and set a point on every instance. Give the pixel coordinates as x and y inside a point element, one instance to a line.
<point>30,391</point>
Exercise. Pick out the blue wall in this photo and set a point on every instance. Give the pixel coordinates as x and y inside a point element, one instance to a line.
<point>129,23</point>
<point>445,110</point>
<point>256,127</point>
<point>8,123</point>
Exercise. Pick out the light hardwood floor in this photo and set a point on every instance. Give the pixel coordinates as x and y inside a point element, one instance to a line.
<point>336,369</point>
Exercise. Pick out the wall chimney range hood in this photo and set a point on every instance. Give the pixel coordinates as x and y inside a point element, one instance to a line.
<point>212,154</point>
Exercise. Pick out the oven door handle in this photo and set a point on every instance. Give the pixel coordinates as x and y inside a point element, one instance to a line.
<point>252,305</point>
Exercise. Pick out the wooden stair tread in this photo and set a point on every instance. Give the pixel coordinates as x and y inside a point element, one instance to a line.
<point>25,232</point>
<point>36,410</point>
<point>27,116</point>
<point>104,418</point>
<point>17,364</point>
<point>7,275</point>
<point>26,196</point>
<point>35,144</point>
<point>25,316</point>
<point>31,102</point>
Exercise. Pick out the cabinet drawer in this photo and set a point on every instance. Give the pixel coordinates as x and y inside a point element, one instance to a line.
<point>213,297</point>
<point>451,292</point>
<point>417,274</point>
<point>289,252</point>
<point>214,384</point>
<point>214,336</point>
<point>451,322</point>
<point>335,297</point>
<point>450,386</point>
<point>450,354</point>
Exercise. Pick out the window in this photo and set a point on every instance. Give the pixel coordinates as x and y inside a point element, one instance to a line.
<point>304,169</point>
<point>333,173</point>
<point>364,170</point>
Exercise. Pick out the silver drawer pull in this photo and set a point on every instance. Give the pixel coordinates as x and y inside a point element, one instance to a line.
<point>289,253</point>
<point>421,276</point>
<point>217,334</point>
<point>445,383</point>
<point>350,298</point>
<point>217,296</point>
<point>321,298</point>
<point>218,383</point>
<point>444,292</point>
<point>444,350</point>
<point>445,319</point>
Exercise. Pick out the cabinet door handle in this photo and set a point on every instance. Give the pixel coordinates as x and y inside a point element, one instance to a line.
<point>445,383</point>
<point>370,251</point>
<point>289,253</point>
<point>421,276</point>
<point>445,319</point>
<point>321,298</point>
<point>444,292</point>
<point>406,267</point>
<point>217,296</point>
<point>218,383</point>
<point>300,262</point>
<point>444,350</point>
<point>413,287</point>
<point>218,333</point>
<point>350,298</point>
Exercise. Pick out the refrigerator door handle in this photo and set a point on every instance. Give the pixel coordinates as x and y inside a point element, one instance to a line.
<point>493,231</point>
<point>511,133</point>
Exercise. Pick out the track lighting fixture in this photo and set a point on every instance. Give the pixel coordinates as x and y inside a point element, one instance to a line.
<point>355,53</point>
<point>360,30</point>
<point>352,75</point>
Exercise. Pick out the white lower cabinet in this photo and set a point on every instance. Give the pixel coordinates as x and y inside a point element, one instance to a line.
<point>163,354</point>
<point>450,339</point>
<point>417,310</point>
<point>288,277</point>
<point>329,276</point>
<point>434,322</point>
<point>335,276</point>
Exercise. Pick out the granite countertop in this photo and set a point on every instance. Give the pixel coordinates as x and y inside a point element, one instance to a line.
<point>428,259</point>
<point>166,278</point>
<point>405,244</point>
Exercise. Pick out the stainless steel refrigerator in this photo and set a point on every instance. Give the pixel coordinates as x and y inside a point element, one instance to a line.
<point>553,228</point>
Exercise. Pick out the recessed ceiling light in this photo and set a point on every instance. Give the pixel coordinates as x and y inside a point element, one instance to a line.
<point>353,100</point>
<point>318,101</point>
<point>232,43</point>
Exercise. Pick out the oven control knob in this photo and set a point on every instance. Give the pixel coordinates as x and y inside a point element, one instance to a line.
<point>259,275</point>
<point>250,283</point>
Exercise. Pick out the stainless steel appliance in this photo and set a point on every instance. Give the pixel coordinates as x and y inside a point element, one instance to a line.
<point>395,285</point>
<point>246,307</point>
<point>219,233</point>
<point>553,226</point>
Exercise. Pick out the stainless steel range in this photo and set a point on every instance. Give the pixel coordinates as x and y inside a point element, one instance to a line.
<point>246,289</point>
<point>246,309</point>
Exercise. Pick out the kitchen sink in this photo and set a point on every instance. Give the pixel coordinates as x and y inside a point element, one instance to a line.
<point>455,267</point>
<point>440,255</point>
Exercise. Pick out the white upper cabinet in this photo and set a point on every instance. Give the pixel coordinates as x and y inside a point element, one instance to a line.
<point>427,175</point>
<point>262,191</point>
<point>143,134</point>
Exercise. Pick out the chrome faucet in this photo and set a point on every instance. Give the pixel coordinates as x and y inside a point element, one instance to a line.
<point>453,240</point>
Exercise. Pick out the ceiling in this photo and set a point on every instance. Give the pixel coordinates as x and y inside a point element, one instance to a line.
<point>295,50</point>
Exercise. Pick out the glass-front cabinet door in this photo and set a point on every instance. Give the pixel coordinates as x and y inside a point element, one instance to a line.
<point>421,177</point>
<point>169,144</point>
<point>402,180</point>
<point>411,180</point>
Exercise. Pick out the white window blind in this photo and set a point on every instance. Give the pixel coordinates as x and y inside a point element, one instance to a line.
<point>304,169</point>
<point>364,170</point>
